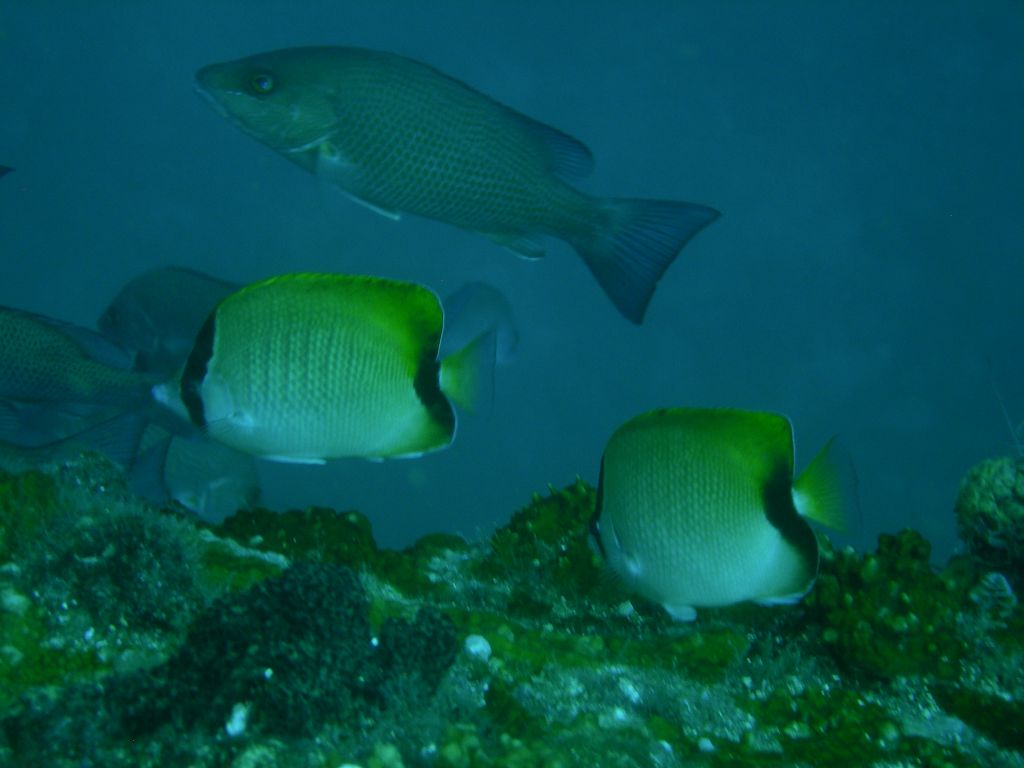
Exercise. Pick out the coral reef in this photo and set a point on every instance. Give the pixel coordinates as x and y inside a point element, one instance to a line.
<point>990,514</point>
<point>132,637</point>
<point>888,613</point>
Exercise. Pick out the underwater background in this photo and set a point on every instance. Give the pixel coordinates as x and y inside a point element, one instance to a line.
<point>866,157</point>
<point>863,279</point>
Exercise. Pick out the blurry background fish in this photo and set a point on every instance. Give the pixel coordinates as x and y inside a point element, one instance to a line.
<point>204,476</point>
<point>868,258</point>
<point>4,170</point>
<point>46,360</point>
<point>65,389</point>
<point>159,313</point>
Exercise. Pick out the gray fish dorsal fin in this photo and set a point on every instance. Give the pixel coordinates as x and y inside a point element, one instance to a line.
<point>568,158</point>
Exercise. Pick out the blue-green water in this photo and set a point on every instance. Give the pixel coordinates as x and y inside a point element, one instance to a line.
<point>866,159</point>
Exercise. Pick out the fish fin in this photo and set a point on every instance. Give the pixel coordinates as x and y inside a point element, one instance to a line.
<point>792,599</point>
<point>118,437</point>
<point>209,478</point>
<point>146,474</point>
<point>529,247</point>
<point>393,215</point>
<point>826,491</point>
<point>634,245</point>
<point>295,459</point>
<point>568,158</point>
<point>473,309</point>
<point>333,166</point>
<point>467,376</point>
<point>168,394</point>
<point>681,613</point>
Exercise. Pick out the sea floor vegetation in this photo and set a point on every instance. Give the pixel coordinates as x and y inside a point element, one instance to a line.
<point>132,635</point>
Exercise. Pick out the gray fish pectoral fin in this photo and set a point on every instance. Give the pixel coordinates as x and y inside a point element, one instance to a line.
<point>524,246</point>
<point>393,215</point>
<point>333,166</point>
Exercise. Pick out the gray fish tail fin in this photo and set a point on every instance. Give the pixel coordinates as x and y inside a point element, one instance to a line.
<point>637,241</point>
<point>467,376</point>
<point>826,491</point>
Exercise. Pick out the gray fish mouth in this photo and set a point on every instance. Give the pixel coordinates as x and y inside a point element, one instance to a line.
<point>210,97</point>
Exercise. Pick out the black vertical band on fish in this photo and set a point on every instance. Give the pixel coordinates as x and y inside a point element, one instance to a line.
<point>302,368</point>
<point>195,371</point>
<point>428,388</point>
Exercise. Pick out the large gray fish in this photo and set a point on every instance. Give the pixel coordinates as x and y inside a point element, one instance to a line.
<point>159,313</point>
<point>400,136</point>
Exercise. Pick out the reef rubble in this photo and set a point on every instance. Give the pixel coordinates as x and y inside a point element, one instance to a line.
<point>132,635</point>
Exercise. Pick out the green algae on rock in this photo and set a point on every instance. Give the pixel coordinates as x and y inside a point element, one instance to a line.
<point>283,659</point>
<point>545,547</point>
<point>556,667</point>
<point>990,513</point>
<point>27,501</point>
<point>888,613</point>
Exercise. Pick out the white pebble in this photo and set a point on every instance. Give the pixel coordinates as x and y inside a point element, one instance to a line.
<point>704,744</point>
<point>235,725</point>
<point>629,690</point>
<point>477,645</point>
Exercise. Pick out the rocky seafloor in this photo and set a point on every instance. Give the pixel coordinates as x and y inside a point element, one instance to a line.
<point>131,635</point>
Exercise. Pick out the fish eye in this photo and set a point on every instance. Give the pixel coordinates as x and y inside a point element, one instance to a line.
<point>262,83</point>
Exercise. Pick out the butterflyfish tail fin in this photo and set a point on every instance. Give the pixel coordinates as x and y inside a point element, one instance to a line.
<point>826,491</point>
<point>467,376</point>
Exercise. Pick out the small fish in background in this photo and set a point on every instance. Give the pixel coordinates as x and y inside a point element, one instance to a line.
<point>206,477</point>
<point>65,389</point>
<point>159,313</point>
<point>46,360</point>
<point>401,137</point>
<point>699,508</point>
<point>4,170</point>
<point>474,309</point>
<point>35,433</point>
<point>308,367</point>
<point>51,431</point>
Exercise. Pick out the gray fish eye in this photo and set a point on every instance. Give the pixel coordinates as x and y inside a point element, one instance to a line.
<point>262,83</point>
